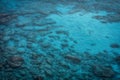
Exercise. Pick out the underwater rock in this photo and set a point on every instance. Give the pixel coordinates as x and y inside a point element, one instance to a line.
<point>44,22</point>
<point>1,65</point>
<point>6,38</point>
<point>108,18</point>
<point>15,61</point>
<point>21,25</point>
<point>65,65</point>
<point>64,45</point>
<point>62,32</point>
<point>45,45</point>
<point>4,18</point>
<point>35,56</point>
<point>93,44</point>
<point>49,61</point>
<point>73,58</point>
<point>115,45</point>
<point>73,11</point>
<point>2,58</point>
<point>103,71</point>
<point>21,51</point>
<point>117,59</point>
<point>107,37</point>
<point>48,72</point>
<point>98,17</point>
<point>3,15</point>
<point>105,51</point>
<point>38,78</point>
<point>54,37</point>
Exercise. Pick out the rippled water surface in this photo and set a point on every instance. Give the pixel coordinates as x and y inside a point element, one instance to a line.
<point>59,40</point>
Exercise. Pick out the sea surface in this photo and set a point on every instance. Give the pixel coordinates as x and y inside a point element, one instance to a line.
<point>59,39</point>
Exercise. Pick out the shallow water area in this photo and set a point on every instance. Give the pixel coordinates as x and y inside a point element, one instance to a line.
<point>59,40</point>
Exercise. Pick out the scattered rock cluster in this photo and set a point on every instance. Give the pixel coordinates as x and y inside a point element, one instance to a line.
<point>33,47</point>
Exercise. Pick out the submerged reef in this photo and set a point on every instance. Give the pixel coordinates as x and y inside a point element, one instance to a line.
<point>59,40</point>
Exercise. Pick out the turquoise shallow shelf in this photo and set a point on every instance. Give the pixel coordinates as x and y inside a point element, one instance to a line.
<point>59,40</point>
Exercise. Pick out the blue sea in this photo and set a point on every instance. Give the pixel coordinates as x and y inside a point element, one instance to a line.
<point>59,39</point>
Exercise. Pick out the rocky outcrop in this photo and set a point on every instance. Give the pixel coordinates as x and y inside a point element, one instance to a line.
<point>73,58</point>
<point>115,45</point>
<point>103,71</point>
<point>15,61</point>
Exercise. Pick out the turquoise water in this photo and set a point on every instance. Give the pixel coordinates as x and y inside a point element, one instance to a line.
<point>59,40</point>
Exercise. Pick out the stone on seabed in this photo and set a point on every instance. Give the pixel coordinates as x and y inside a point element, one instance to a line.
<point>103,71</point>
<point>15,61</point>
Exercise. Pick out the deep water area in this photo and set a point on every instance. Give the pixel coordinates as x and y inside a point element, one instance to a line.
<point>59,39</point>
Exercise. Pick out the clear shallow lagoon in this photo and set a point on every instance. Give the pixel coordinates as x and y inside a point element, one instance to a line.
<point>59,40</point>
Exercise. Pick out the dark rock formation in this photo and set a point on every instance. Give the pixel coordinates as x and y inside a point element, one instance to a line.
<point>73,58</point>
<point>15,61</point>
<point>115,45</point>
<point>38,78</point>
<point>103,71</point>
<point>4,18</point>
<point>117,59</point>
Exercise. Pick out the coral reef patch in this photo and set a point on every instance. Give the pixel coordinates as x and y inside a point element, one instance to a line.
<point>59,40</point>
